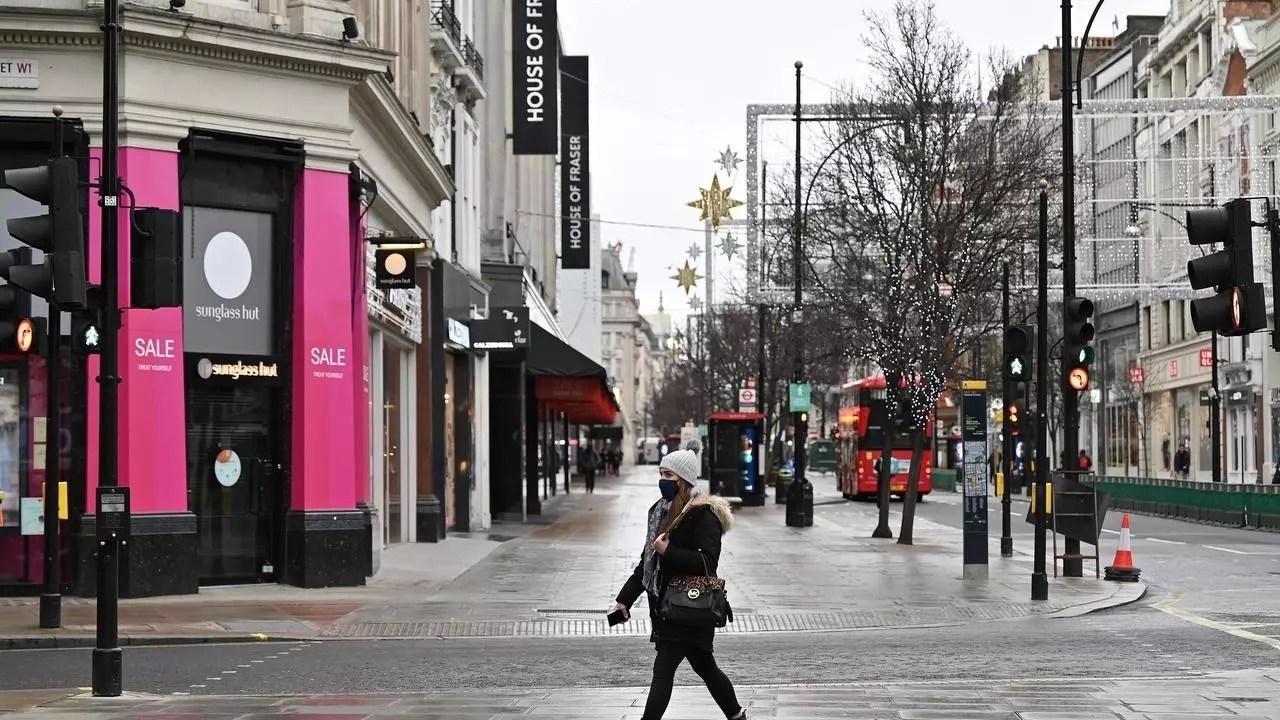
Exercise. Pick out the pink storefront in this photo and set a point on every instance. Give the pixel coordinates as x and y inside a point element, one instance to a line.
<point>238,411</point>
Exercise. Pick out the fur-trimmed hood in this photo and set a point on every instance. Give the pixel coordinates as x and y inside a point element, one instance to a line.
<point>717,504</point>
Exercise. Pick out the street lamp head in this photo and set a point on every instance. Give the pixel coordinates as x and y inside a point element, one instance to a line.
<point>1133,231</point>
<point>799,64</point>
<point>1044,184</point>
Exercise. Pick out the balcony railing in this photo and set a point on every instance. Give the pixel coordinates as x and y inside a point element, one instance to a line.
<point>444,16</point>
<point>473,58</point>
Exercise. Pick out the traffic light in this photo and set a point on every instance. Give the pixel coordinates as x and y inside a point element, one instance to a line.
<point>1018,353</point>
<point>86,336</point>
<point>1237,306</point>
<point>59,233</point>
<point>155,258</point>
<point>1078,354</point>
<point>15,305</point>
<point>86,323</point>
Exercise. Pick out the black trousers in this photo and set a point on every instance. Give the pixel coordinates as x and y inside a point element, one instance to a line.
<point>703,662</point>
<point>590,477</point>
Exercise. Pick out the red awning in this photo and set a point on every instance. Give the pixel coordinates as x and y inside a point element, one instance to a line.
<point>586,401</point>
<point>736,416</point>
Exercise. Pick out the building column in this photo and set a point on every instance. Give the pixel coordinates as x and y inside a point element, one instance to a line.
<point>325,533</point>
<point>377,443</point>
<point>360,359</point>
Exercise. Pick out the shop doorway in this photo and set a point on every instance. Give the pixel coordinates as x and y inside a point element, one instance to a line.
<point>236,484</point>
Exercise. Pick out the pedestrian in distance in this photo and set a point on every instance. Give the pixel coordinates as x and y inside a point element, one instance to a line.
<point>590,463</point>
<point>683,539</point>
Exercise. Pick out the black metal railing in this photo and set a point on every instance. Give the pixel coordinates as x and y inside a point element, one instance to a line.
<point>472,57</point>
<point>444,16</point>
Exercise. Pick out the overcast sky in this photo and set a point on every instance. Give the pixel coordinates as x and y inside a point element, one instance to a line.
<point>671,79</point>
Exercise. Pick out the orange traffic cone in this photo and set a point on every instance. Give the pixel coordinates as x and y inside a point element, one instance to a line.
<point>1122,569</point>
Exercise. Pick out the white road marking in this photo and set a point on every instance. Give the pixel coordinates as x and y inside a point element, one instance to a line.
<point>1226,550</point>
<point>1206,622</point>
<point>1166,542</point>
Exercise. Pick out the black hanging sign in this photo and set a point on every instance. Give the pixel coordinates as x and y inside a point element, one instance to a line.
<point>575,166</point>
<point>535,51</point>
<point>506,328</point>
<point>394,268</point>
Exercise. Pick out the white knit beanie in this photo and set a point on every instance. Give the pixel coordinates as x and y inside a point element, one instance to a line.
<point>683,463</point>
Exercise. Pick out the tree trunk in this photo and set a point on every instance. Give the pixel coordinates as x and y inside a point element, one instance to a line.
<point>882,488</point>
<point>907,530</point>
<point>886,457</point>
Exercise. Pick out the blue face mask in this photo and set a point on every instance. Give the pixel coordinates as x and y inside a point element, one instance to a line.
<point>668,488</point>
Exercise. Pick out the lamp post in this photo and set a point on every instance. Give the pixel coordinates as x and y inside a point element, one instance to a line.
<point>800,492</point>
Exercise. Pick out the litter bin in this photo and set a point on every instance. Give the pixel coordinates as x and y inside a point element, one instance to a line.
<point>800,504</point>
<point>781,479</point>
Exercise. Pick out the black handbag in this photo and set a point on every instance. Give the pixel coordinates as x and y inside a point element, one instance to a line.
<point>696,600</point>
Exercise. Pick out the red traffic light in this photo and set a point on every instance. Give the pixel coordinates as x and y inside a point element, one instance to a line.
<point>25,336</point>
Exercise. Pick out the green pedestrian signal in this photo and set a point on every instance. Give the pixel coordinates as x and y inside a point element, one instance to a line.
<point>1017,369</point>
<point>1018,353</point>
<point>86,336</point>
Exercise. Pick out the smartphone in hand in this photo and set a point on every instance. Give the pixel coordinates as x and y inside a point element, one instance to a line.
<point>617,617</point>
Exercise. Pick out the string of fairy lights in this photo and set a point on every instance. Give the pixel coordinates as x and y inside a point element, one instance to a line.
<point>1140,164</point>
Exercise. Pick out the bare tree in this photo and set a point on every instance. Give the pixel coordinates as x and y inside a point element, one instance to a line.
<point>929,188</point>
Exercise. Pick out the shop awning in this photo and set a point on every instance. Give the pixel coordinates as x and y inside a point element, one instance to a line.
<point>550,356</point>
<point>586,401</point>
<point>568,381</point>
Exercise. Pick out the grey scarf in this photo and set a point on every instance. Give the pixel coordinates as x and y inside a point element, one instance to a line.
<point>656,514</point>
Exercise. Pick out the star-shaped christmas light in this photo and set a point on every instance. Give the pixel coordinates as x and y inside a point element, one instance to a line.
<point>694,251</point>
<point>729,245</point>
<point>686,277</point>
<point>728,161</point>
<point>695,303</point>
<point>715,203</point>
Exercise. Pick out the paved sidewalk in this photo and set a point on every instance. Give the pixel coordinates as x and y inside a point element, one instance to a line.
<point>558,580</point>
<point>1248,695</point>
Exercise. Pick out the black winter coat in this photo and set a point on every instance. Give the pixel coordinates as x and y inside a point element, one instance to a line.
<point>696,536</point>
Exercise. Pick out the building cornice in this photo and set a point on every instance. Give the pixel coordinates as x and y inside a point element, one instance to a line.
<point>198,38</point>
<point>377,106</point>
<point>189,38</point>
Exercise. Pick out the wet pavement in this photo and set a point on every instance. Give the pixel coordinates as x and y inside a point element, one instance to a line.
<point>1248,695</point>
<point>558,580</point>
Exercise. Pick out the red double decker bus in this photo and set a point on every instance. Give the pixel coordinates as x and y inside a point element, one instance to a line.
<point>862,421</point>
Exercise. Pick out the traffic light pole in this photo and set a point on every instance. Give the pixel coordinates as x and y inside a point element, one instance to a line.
<point>1006,435</point>
<point>1215,412</point>
<point>1039,576</point>
<point>51,598</point>
<point>108,659</point>
<point>1072,565</point>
